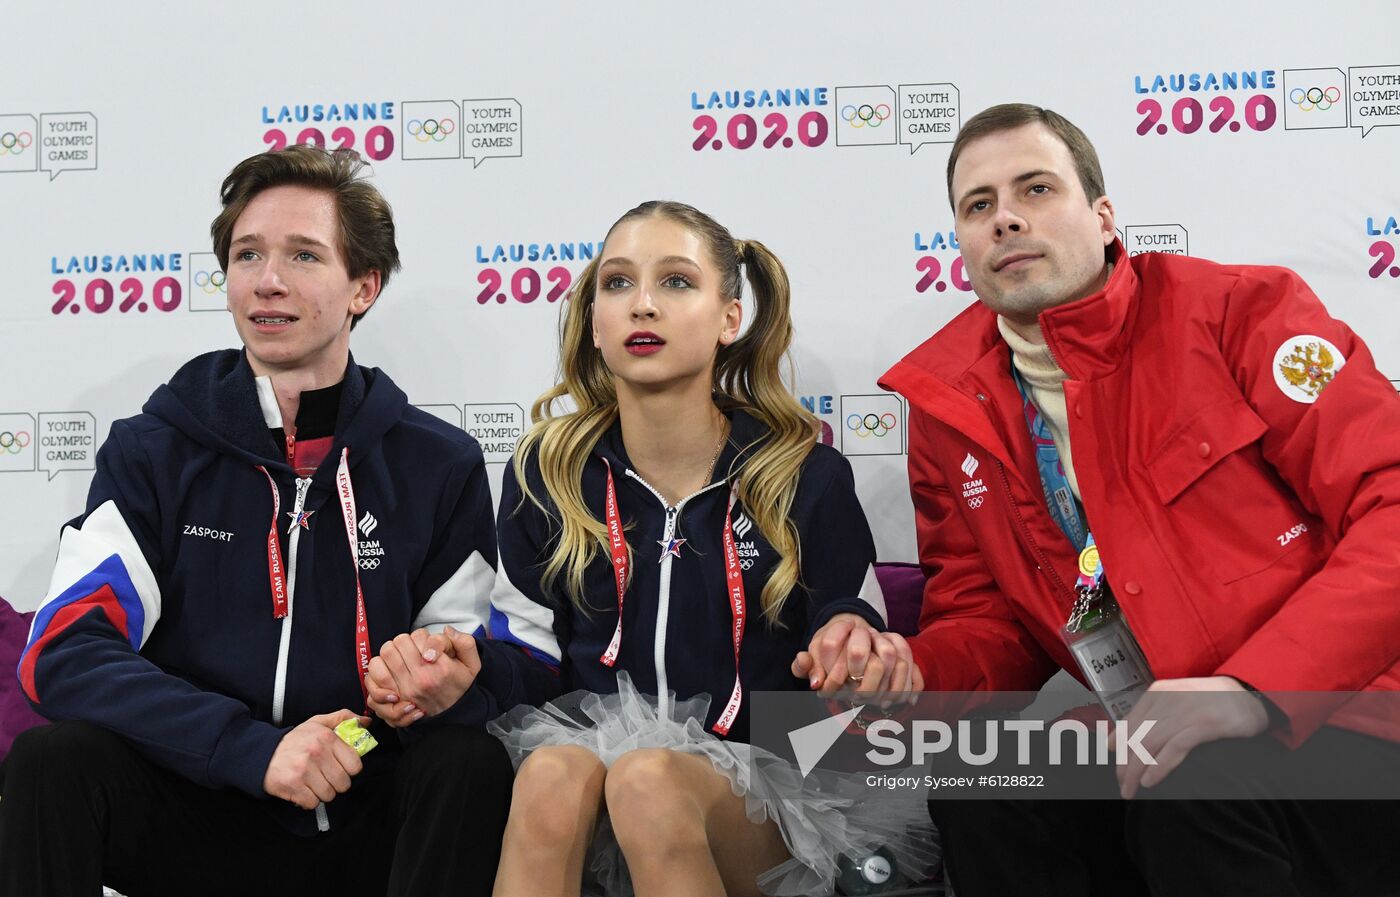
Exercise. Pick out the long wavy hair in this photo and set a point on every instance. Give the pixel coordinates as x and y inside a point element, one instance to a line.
<point>747,376</point>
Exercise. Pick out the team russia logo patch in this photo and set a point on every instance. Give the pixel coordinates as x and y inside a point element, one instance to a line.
<point>1304,365</point>
<point>974,490</point>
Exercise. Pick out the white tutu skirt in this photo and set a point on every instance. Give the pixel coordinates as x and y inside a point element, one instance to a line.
<point>820,817</point>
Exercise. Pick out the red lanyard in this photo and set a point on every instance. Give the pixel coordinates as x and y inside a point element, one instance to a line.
<point>278,578</point>
<point>734,580</point>
<point>618,545</point>
<point>346,493</point>
<point>734,587</point>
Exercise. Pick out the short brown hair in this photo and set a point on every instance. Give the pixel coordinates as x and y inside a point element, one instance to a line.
<point>1008,116</point>
<point>366,221</point>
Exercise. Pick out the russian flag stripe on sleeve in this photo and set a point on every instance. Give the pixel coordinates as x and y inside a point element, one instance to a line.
<point>110,581</point>
<point>59,616</point>
<point>100,568</point>
<point>520,621</point>
<point>500,631</point>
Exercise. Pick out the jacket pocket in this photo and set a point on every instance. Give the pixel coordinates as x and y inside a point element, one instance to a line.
<point>1229,510</point>
<point>1202,442</point>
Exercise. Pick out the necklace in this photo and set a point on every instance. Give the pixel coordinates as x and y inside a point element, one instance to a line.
<point>671,546</point>
<point>719,447</point>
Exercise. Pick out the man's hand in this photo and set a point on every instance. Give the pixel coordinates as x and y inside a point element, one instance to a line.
<point>1182,724</point>
<point>311,763</point>
<point>846,650</point>
<point>421,674</point>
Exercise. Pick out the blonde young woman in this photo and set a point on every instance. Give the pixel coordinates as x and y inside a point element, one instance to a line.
<point>678,533</point>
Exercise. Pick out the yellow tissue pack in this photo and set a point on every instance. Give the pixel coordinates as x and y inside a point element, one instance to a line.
<point>359,739</point>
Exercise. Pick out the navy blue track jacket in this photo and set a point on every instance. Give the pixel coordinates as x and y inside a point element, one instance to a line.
<point>159,621</point>
<point>677,620</point>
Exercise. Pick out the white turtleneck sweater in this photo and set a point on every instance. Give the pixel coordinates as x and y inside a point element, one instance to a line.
<point>1045,382</point>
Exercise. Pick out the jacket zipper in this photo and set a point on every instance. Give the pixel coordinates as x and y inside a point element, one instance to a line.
<point>279,686</point>
<point>663,609</point>
<point>663,605</point>
<point>1025,530</point>
<point>279,681</point>
<point>1042,562</point>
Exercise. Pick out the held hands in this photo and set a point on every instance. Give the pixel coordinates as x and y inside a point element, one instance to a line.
<point>1182,725</point>
<point>847,650</point>
<point>311,763</point>
<point>421,674</point>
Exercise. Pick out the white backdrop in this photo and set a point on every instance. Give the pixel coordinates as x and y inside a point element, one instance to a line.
<point>1270,138</point>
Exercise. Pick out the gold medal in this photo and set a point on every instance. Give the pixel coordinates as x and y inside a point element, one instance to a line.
<point>1089,560</point>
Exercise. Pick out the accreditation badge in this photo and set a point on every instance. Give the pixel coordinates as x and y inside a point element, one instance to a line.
<point>1106,650</point>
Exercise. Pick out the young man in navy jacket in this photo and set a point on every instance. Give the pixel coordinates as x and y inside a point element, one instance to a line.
<point>275,520</point>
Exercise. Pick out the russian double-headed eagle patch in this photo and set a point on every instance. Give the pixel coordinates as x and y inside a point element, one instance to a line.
<point>1304,365</point>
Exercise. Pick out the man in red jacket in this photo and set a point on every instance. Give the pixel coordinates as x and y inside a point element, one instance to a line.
<point>1232,452</point>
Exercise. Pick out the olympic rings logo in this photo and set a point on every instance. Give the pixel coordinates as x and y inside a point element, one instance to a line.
<point>866,425</point>
<point>369,563</point>
<point>976,501</point>
<point>14,144</point>
<point>865,114</point>
<point>431,129</point>
<point>14,443</point>
<point>1314,98</point>
<point>211,282</point>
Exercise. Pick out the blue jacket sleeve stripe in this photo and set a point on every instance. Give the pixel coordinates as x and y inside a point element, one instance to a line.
<point>103,546</point>
<point>111,572</point>
<point>500,631</point>
<point>517,619</point>
<point>101,568</point>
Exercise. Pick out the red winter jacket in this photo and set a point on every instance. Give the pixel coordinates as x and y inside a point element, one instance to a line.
<point>1248,529</point>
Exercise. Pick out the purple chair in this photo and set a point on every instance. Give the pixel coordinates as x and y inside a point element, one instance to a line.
<point>15,713</point>
<point>903,585</point>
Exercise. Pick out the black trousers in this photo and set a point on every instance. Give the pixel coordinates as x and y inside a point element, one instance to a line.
<point>79,808</point>
<point>1170,847</point>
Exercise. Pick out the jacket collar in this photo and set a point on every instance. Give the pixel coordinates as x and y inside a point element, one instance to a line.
<point>213,399</point>
<point>1089,337</point>
<point>955,373</point>
<point>746,434</point>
